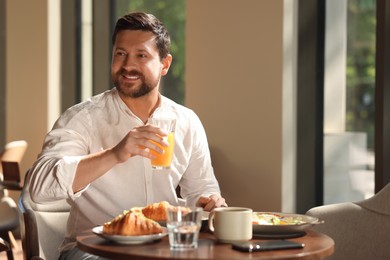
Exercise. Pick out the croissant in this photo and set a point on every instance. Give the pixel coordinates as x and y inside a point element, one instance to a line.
<point>156,211</point>
<point>131,223</point>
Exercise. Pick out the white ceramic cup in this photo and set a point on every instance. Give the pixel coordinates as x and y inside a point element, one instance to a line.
<point>231,223</point>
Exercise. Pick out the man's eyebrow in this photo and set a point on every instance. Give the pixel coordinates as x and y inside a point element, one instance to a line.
<point>138,50</point>
<point>119,48</point>
<point>142,50</point>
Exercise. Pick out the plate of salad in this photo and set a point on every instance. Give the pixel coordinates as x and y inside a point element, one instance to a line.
<point>281,223</point>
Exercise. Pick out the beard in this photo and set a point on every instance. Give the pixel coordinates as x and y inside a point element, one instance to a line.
<point>134,90</point>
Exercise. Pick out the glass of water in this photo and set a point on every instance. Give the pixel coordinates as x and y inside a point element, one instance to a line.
<point>183,225</point>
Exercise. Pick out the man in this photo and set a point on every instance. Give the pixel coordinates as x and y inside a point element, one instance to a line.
<point>97,156</point>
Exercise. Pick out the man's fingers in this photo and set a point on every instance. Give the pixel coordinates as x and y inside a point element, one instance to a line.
<point>212,202</point>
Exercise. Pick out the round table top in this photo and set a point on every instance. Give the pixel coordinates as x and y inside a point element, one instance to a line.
<point>317,246</point>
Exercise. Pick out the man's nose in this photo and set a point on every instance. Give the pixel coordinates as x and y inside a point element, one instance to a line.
<point>129,63</point>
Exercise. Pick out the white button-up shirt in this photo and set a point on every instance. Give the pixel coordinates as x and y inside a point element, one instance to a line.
<point>98,124</point>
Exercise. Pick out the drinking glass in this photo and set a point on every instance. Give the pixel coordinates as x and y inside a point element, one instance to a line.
<point>163,161</point>
<point>183,225</point>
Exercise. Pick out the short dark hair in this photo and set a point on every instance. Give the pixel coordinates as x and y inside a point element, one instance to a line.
<point>145,22</point>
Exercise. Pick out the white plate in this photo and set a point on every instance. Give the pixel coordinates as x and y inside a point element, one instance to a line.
<point>307,223</point>
<point>129,240</point>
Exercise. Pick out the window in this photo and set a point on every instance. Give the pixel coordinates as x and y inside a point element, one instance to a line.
<point>340,41</point>
<point>349,114</point>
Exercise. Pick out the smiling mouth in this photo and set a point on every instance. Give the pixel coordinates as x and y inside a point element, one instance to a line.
<point>131,77</point>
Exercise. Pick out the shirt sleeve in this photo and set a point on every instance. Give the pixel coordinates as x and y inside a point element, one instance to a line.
<point>53,173</point>
<point>198,179</point>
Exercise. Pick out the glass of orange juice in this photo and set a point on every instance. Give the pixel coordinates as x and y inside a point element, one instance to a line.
<point>163,161</point>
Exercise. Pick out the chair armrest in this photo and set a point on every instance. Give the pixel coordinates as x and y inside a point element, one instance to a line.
<point>10,185</point>
<point>4,246</point>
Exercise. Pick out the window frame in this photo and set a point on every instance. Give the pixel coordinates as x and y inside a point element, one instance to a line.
<point>310,104</point>
<point>382,96</point>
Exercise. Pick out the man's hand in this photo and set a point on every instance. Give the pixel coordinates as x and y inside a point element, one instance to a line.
<point>214,201</point>
<point>134,143</point>
<point>137,140</point>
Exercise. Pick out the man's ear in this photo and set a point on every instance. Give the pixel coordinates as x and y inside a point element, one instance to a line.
<point>166,62</point>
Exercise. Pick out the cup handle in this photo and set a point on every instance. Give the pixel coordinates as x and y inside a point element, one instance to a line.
<point>211,222</point>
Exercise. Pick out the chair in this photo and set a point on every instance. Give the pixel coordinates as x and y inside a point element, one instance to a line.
<point>11,176</point>
<point>43,226</point>
<point>360,229</point>
<point>10,157</point>
<point>14,151</point>
<point>3,245</point>
<point>9,221</point>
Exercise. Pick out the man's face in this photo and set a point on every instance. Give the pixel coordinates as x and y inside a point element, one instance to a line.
<point>136,68</point>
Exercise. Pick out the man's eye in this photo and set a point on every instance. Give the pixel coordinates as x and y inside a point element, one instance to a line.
<point>142,55</point>
<point>120,53</point>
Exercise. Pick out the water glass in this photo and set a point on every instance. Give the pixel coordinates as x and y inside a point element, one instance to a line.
<point>183,225</point>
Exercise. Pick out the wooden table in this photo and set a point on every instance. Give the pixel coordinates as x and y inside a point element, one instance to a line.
<point>317,246</point>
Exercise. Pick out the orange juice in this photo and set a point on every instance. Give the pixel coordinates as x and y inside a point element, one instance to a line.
<point>163,161</point>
